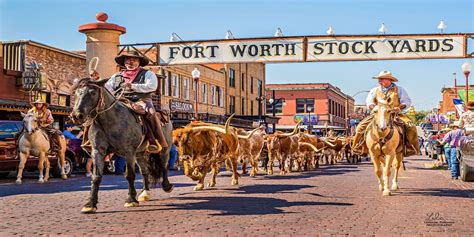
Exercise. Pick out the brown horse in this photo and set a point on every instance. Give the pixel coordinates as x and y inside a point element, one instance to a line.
<point>383,140</point>
<point>34,141</point>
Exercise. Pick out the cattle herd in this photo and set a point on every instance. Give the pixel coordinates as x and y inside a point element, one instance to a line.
<point>205,146</point>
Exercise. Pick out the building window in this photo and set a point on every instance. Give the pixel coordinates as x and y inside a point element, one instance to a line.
<point>175,85</point>
<point>242,82</point>
<point>251,107</point>
<point>231,78</point>
<point>204,93</point>
<point>64,100</point>
<point>260,87</point>
<point>232,104</point>
<point>46,96</point>
<point>166,85</point>
<point>186,88</point>
<point>278,107</point>
<point>251,85</point>
<point>220,96</point>
<point>214,94</point>
<point>243,106</point>
<point>302,105</point>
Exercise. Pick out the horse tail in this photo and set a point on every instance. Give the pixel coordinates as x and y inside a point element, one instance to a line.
<point>155,168</point>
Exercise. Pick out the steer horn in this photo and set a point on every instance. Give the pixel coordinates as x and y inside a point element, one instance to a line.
<point>295,131</point>
<point>248,135</point>
<point>310,145</point>
<point>227,123</point>
<point>328,143</point>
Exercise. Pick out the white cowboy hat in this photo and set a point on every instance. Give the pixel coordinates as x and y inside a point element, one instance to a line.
<point>456,124</point>
<point>385,75</point>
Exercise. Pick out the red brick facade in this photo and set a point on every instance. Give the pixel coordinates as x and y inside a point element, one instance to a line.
<point>331,105</point>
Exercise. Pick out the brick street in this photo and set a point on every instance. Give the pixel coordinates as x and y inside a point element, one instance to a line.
<point>338,199</point>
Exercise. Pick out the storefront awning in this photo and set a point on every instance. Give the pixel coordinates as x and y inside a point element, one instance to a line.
<point>22,106</point>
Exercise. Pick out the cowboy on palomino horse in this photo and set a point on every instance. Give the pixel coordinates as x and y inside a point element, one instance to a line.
<point>397,99</point>
<point>39,138</point>
<point>138,85</point>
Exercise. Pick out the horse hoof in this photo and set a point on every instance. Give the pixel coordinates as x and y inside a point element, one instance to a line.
<point>168,188</point>
<point>64,177</point>
<point>41,181</point>
<point>394,187</point>
<point>144,198</point>
<point>235,182</point>
<point>386,193</point>
<point>131,204</point>
<point>253,175</point>
<point>380,188</point>
<point>88,210</point>
<point>211,184</point>
<point>270,172</point>
<point>18,181</point>
<point>198,187</point>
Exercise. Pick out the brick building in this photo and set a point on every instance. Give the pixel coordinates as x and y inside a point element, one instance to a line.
<point>447,95</point>
<point>327,104</point>
<point>58,68</point>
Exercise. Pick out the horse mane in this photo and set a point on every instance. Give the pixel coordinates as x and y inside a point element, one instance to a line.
<point>81,83</point>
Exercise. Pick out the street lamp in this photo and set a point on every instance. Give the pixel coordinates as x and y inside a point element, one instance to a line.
<point>196,74</point>
<point>310,124</point>
<point>273,103</point>
<point>466,68</point>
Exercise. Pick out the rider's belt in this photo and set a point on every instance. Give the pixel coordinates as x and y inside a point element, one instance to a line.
<point>134,96</point>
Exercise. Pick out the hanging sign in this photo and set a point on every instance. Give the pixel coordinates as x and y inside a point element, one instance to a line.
<point>314,48</point>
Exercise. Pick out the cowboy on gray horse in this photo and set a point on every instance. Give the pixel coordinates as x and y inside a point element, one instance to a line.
<point>138,85</point>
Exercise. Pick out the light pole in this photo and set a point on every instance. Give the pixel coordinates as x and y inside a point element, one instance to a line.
<point>274,102</point>
<point>466,68</point>
<point>310,124</point>
<point>196,74</point>
<point>260,99</point>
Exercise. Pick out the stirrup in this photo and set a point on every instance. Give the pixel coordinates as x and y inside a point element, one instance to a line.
<point>152,148</point>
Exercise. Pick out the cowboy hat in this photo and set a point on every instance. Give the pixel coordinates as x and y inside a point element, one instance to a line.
<point>456,124</point>
<point>39,101</point>
<point>470,105</point>
<point>120,60</point>
<point>386,75</point>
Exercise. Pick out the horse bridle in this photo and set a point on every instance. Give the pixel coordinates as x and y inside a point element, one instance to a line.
<point>100,104</point>
<point>35,129</point>
<point>382,140</point>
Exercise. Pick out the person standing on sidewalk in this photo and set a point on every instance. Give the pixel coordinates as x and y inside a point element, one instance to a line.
<point>453,138</point>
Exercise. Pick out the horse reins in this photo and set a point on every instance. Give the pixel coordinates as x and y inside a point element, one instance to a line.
<point>382,140</point>
<point>100,104</point>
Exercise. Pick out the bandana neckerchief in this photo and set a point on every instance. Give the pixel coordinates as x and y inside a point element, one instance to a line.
<point>385,90</point>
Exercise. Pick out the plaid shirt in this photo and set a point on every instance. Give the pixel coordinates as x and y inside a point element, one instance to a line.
<point>453,137</point>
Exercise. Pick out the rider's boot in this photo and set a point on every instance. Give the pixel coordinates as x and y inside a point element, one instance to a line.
<point>357,145</point>
<point>412,148</point>
<point>155,134</point>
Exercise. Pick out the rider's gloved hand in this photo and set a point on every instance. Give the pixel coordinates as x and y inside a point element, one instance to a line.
<point>397,109</point>
<point>95,75</point>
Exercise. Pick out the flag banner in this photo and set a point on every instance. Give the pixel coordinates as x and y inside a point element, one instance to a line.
<point>458,103</point>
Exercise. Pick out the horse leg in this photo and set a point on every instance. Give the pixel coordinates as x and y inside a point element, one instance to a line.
<point>41,164</point>
<point>145,195</point>
<point>130,175</point>
<point>21,166</point>
<point>97,172</point>
<point>165,183</point>
<point>62,162</point>
<point>215,170</point>
<point>387,173</point>
<point>47,167</point>
<point>398,164</point>
<point>377,168</point>
<point>235,174</point>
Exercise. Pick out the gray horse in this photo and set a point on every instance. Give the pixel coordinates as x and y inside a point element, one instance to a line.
<point>115,128</point>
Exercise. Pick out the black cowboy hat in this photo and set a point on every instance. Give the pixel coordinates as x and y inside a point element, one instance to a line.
<point>120,60</point>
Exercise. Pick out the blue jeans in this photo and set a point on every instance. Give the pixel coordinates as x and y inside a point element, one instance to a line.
<point>172,160</point>
<point>447,153</point>
<point>454,163</point>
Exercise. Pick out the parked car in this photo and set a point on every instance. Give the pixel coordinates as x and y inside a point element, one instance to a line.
<point>9,159</point>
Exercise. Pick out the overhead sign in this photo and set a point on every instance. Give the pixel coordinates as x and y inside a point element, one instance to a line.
<point>314,48</point>
<point>385,47</point>
<point>233,51</point>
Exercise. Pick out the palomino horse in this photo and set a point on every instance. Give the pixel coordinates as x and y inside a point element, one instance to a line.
<point>383,141</point>
<point>34,141</point>
<point>113,128</point>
